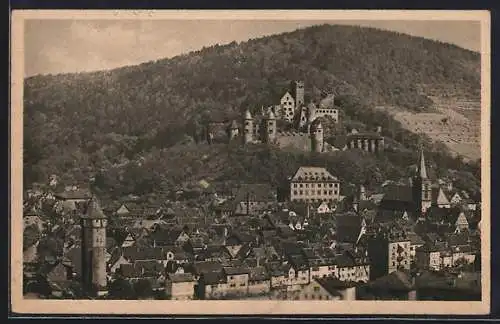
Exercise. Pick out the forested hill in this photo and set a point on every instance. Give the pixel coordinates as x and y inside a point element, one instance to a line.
<point>90,121</point>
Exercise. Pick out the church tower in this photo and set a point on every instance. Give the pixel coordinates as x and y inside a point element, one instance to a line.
<point>248,128</point>
<point>93,226</point>
<point>270,127</point>
<point>422,191</point>
<point>316,136</point>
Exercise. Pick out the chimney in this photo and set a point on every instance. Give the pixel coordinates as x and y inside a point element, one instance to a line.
<point>379,129</point>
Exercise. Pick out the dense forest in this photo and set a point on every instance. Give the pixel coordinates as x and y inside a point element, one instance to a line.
<point>92,124</point>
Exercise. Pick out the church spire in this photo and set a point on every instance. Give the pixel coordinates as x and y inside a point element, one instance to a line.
<point>422,169</point>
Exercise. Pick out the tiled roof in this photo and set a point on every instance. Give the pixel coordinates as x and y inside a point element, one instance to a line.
<point>150,268</point>
<point>333,285</point>
<point>207,266</point>
<point>212,278</point>
<point>414,238</point>
<point>396,281</point>
<point>258,273</point>
<point>130,271</point>
<point>343,261</point>
<point>135,253</point>
<point>307,173</point>
<point>398,193</point>
<point>362,136</point>
<point>236,270</point>
<point>181,277</point>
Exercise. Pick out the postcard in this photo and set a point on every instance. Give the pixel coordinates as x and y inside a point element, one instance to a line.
<point>184,162</point>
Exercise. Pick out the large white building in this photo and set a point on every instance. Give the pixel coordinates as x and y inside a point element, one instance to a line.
<point>314,184</point>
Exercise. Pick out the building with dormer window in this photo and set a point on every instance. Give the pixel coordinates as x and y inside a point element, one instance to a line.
<point>314,184</point>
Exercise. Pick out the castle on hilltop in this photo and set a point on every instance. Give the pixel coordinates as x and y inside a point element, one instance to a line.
<point>303,124</point>
<point>307,130</point>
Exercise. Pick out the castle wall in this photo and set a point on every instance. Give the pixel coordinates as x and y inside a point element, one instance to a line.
<point>298,141</point>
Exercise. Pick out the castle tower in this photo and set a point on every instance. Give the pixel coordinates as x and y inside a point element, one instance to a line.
<point>248,128</point>
<point>362,193</point>
<point>316,136</point>
<point>233,130</point>
<point>299,93</point>
<point>270,127</point>
<point>93,226</point>
<point>311,115</point>
<point>422,196</point>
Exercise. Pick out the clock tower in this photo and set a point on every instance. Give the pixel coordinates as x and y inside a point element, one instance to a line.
<point>93,225</point>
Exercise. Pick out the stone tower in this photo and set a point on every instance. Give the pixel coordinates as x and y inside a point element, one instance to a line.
<point>311,115</point>
<point>299,93</point>
<point>270,127</point>
<point>422,191</point>
<point>93,226</point>
<point>233,130</point>
<point>247,128</point>
<point>316,136</point>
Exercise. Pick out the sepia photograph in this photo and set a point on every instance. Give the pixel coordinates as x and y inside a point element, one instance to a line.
<point>250,162</point>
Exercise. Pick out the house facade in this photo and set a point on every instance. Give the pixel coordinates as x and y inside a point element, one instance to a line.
<point>314,184</point>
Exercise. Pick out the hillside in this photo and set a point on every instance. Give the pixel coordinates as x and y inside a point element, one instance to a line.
<point>78,124</point>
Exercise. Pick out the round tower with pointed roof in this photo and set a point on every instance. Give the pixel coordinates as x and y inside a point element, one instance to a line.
<point>233,130</point>
<point>93,226</point>
<point>316,132</point>
<point>270,127</point>
<point>247,127</point>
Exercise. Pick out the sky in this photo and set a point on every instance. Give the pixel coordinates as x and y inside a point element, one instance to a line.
<point>62,46</point>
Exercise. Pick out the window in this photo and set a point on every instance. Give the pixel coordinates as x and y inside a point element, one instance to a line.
<point>319,192</point>
<point>307,185</point>
<point>305,296</point>
<point>330,192</point>
<point>295,192</point>
<point>325,192</point>
<point>330,185</point>
<point>231,277</point>
<point>320,297</point>
<point>232,285</point>
<point>295,185</point>
<point>319,185</point>
<point>316,288</point>
<point>301,185</point>
<point>242,284</point>
<point>301,192</point>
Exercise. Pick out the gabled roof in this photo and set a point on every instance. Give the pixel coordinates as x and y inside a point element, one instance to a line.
<point>414,238</point>
<point>207,266</point>
<point>236,270</point>
<point>309,173</point>
<point>401,193</point>
<point>333,285</point>
<point>213,277</point>
<point>181,277</point>
<point>439,196</point>
<point>396,281</point>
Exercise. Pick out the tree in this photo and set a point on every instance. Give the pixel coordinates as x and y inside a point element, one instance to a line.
<point>143,289</point>
<point>120,288</point>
